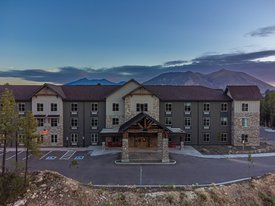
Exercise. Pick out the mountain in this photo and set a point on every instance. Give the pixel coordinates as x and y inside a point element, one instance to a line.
<point>219,79</point>
<point>86,81</point>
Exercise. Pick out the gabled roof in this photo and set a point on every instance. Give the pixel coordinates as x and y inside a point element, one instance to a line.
<point>140,87</point>
<point>187,93</point>
<point>22,92</point>
<point>55,88</point>
<point>138,118</point>
<point>244,92</point>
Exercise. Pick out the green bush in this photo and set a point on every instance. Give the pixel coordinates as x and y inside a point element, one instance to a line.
<point>11,186</point>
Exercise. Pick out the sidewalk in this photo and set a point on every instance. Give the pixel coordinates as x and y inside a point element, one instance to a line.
<point>97,150</point>
<point>12,149</point>
<point>190,151</point>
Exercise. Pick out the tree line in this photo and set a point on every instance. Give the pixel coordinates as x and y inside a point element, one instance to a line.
<point>11,124</point>
<point>268,110</point>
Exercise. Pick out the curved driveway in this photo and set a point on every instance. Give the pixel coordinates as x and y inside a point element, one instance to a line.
<point>101,170</point>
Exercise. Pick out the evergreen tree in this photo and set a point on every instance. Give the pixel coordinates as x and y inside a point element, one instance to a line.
<point>29,127</point>
<point>8,121</point>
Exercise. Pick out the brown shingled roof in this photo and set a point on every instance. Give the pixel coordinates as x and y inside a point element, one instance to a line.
<point>88,92</point>
<point>22,92</point>
<point>244,92</point>
<point>187,93</point>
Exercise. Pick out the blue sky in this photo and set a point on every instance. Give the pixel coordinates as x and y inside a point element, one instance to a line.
<point>51,34</point>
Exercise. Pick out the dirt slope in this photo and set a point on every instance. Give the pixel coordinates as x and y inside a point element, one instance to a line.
<point>51,188</point>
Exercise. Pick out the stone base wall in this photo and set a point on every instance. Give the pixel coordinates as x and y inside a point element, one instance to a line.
<point>125,150</point>
<point>253,129</point>
<point>165,150</point>
<point>47,137</point>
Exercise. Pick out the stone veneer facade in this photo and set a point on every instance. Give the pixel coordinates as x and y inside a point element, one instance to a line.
<point>132,100</point>
<point>252,130</point>
<point>253,127</point>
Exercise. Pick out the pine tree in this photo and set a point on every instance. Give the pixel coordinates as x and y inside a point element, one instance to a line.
<point>8,121</point>
<point>29,127</point>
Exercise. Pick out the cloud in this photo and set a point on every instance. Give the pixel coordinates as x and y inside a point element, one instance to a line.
<point>263,32</point>
<point>245,62</point>
<point>176,62</point>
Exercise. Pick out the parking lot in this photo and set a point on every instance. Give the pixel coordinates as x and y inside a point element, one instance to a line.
<point>51,155</point>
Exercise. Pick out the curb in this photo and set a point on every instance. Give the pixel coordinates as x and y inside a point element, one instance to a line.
<point>171,162</point>
<point>176,186</point>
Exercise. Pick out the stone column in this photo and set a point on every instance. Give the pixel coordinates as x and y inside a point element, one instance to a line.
<point>181,145</point>
<point>165,150</point>
<point>125,148</point>
<point>103,145</point>
<point>160,141</point>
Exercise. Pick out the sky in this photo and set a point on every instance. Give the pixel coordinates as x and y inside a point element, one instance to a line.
<point>41,40</point>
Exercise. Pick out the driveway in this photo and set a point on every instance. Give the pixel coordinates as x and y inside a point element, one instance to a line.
<point>101,170</point>
<point>267,136</point>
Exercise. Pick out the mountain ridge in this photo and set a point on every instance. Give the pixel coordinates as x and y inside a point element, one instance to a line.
<point>218,79</point>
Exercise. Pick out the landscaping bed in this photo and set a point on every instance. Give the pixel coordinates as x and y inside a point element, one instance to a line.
<point>229,149</point>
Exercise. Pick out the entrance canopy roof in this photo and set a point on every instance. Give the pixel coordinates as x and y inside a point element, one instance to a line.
<point>144,123</point>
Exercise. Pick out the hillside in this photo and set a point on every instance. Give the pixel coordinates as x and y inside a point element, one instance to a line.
<point>217,79</point>
<point>51,188</point>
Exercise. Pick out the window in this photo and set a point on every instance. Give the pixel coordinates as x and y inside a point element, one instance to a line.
<point>206,121</point>
<point>74,139</point>
<point>187,137</point>
<point>53,107</point>
<point>142,107</point>
<point>187,107</point>
<point>54,138</point>
<point>187,121</point>
<point>74,122</point>
<point>244,122</point>
<point>224,107</point>
<point>40,122</point>
<point>115,107</point>
<point>223,137</point>
<point>206,137</point>
<point>39,107</point>
<point>40,139</point>
<point>168,120</point>
<point>74,107</point>
<point>94,138</point>
<point>244,107</point>
<point>94,121</point>
<point>54,122</point>
<point>206,107</point>
<point>21,107</point>
<point>224,121</point>
<point>94,107</point>
<point>115,121</point>
<point>168,107</point>
<point>244,138</point>
<point>21,139</point>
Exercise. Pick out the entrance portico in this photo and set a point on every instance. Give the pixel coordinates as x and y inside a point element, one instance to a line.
<point>145,139</point>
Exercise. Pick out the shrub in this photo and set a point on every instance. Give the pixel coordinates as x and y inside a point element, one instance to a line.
<point>11,186</point>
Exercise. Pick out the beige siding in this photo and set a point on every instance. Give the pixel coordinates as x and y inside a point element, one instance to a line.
<point>46,101</point>
<point>253,106</point>
<point>117,97</point>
